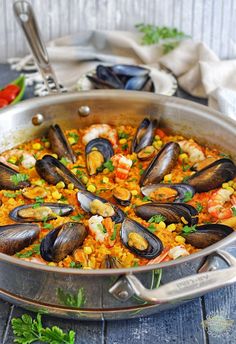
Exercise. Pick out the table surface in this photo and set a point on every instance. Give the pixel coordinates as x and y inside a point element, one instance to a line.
<point>210,319</point>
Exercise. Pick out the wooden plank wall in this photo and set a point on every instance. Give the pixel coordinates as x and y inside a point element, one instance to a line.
<point>212,21</point>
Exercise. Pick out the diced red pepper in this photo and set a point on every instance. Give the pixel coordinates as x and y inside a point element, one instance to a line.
<point>3,103</point>
<point>161,133</point>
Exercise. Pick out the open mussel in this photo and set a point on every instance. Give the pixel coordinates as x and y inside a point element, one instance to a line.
<point>61,241</point>
<point>14,238</point>
<point>37,213</point>
<point>9,180</point>
<point>161,164</point>
<point>53,171</point>
<point>137,83</point>
<point>144,135</point>
<point>172,212</point>
<point>110,262</point>
<point>129,70</point>
<point>206,235</point>
<point>105,78</point>
<point>99,206</point>
<point>139,240</point>
<point>213,175</point>
<point>122,195</point>
<point>146,153</point>
<point>97,151</point>
<point>60,144</point>
<point>168,192</point>
<point>34,192</point>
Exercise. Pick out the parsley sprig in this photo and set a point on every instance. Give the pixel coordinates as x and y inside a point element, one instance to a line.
<point>28,330</point>
<point>188,229</point>
<point>19,177</point>
<point>157,219</point>
<point>187,196</point>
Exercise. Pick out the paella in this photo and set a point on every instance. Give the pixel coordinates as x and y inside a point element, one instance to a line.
<point>110,197</point>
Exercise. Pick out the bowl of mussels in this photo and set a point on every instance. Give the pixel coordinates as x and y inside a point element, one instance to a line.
<point>128,77</point>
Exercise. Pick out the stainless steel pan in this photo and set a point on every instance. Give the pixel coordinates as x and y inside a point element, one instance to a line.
<point>119,293</point>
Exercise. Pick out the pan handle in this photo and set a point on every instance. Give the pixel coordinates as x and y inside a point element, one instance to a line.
<point>26,19</point>
<point>181,289</point>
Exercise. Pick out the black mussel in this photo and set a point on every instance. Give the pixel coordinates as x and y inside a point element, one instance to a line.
<point>129,70</point>
<point>99,206</point>
<point>161,164</point>
<point>53,171</point>
<point>206,235</point>
<point>14,238</point>
<point>98,83</point>
<point>172,212</point>
<point>147,153</point>
<point>168,192</point>
<point>139,240</point>
<point>136,83</point>
<point>60,144</point>
<point>9,180</point>
<point>61,241</point>
<point>149,86</point>
<point>106,74</point>
<point>213,175</point>
<point>97,152</point>
<point>122,195</point>
<point>37,213</point>
<point>110,262</point>
<point>144,135</point>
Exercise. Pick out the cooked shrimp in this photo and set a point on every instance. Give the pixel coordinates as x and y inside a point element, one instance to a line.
<point>101,130</point>
<point>177,252</point>
<point>27,160</point>
<point>192,149</point>
<point>217,201</point>
<point>96,228</point>
<point>122,167</point>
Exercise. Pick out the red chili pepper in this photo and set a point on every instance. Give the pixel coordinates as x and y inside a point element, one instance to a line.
<point>3,103</point>
<point>9,93</point>
<point>13,88</point>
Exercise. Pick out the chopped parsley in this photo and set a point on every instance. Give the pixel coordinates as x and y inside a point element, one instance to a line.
<point>75,265</point>
<point>146,198</point>
<point>109,165</point>
<point>77,217</point>
<point>44,139</point>
<point>113,236</point>
<point>225,155</point>
<point>18,178</point>
<point>185,179</point>
<point>39,201</point>
<point>122,135</point>
<point>64,161</point>
<point>187,196</point>
<point>199,207</point>
<point>47,225</point>
<point>125,146</point>
<point>35,249</point>
<point>188,229</point>
<point>63,199</point>
<point>234,211</point>
<point>135,265</point>
<point>152,228</point>
<point>141,172</point>
<point>11,194</point>
<point>157,219</point>
<point>186,167</point>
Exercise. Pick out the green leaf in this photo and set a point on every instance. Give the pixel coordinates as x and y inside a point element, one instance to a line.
<point>125,146</point>
<point>185,179</point>
<point>35,249</point>
<point>19,177</point>
<point>146,198</point>
<point>152,228</point>
<point>39,201</point>
<point>77,217</point>
<point>157,219</point>
<point>199,207</point>
<point>189,229</point>
<point>186,167</point>
<point>122,135</point>
<point>64,161</point>
<point>187,196</point>
<point>75,265</point>
<point>11,194</point>
<point>108,164</point>
<point>113,236</point>
<point>47,225</point>
<point>73,300</point>
<point>234,211</point>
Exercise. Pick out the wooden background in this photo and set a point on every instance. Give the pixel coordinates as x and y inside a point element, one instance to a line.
<point>212,21</point>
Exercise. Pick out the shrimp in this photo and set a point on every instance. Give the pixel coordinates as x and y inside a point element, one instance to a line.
<point>27,160</point>
<point>96,228</point>
<point>177,252</point>
<point>217,201</point>
<point>122,167</point>
<point>193,149</point>
<point>100,130</point>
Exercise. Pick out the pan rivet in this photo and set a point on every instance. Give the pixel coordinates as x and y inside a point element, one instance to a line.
<point>123,294</point>
<point>37,119</point>
<point>84,111</point>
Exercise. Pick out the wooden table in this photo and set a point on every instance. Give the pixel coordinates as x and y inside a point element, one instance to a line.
<point>183,325</point>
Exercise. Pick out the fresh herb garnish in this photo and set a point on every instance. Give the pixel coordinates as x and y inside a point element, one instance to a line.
<point>73,300</point>
<point>152,228</point>
<point>44,139</point>
<point>18,178</point>
<point>113,236</point>
<point>109,165</point>
<point>199,207</point>
<point>35,249</point>
<point>63,199</point>
<point>64,161</point>
<point>141,172</point>
<point>157,219</point>
<point>11,194</point>
<point>185,179</point>
<point>77,217</point>
<point>47,225</point>
<point>187,196</point>
<point>234,211</point>
<point>122,135</point>
<point>39,201</point>
<point>75,137</point>
<point>146,198</point>
<point>224,155</point>
<point>28,330</point>
<point>125,146</point>
<point>189,229</point>
<point>186,167</point>
<point>75,265</point>
<point>135,265</point>
<point>101,228</point>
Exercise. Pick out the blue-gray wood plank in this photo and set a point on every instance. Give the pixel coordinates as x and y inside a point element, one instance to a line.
<point>207,320</point>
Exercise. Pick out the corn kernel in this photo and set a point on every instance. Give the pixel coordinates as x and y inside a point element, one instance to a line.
<point>105,171</point>
<point>60,185</point>
<point>225,185</point>
<point>157,144</point>
<point>157,138</point>
<point>12,159</point>
<point>71,140</point>
<point>105,180</point>
<point>231,183</point>
<point>51,264</point>
<point>167,177</point>
<point>183,157</point>
<point>38,182</point>
<point>161,225</point>
<point>74,170</point>
<point>179,239</point>
<point>91,188</point>
<point>171,227</point>
<point>87,268</point>
<point>70,186</point>
<point>84,179</point>
<point>230,189</point>
<point>56,195</point>
<point>122,141</point>
<point>234,186</point>
<point>47,144</point>
<point>134,192</point>
<point>87,250</point>
<point>37,146</point>
<point>54,155</point>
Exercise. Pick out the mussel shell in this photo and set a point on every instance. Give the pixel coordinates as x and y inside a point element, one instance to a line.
<point>206,235</point>
<point>86,197</point>
<point>173,212</point>
<point>59,143</point>
<point>103,146</point>
<point>53,171</point>
<point>122,196</point>
<point>14,238</point>
<point>129,70</point>
<point>136,83</point>
<point>155,246</point>
<point>98,83</point>
<point>59,209</point>
<point>106,74</point>
<point>180,188</point>
<point>63,240</point>
<point>6,183</point>
<point>213,175</point>
<point>161,164</point>
<point>144,135</point>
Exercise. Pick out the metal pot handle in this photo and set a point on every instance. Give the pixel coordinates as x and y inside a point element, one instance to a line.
<point>26,19</point>
<point>181,289</point>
